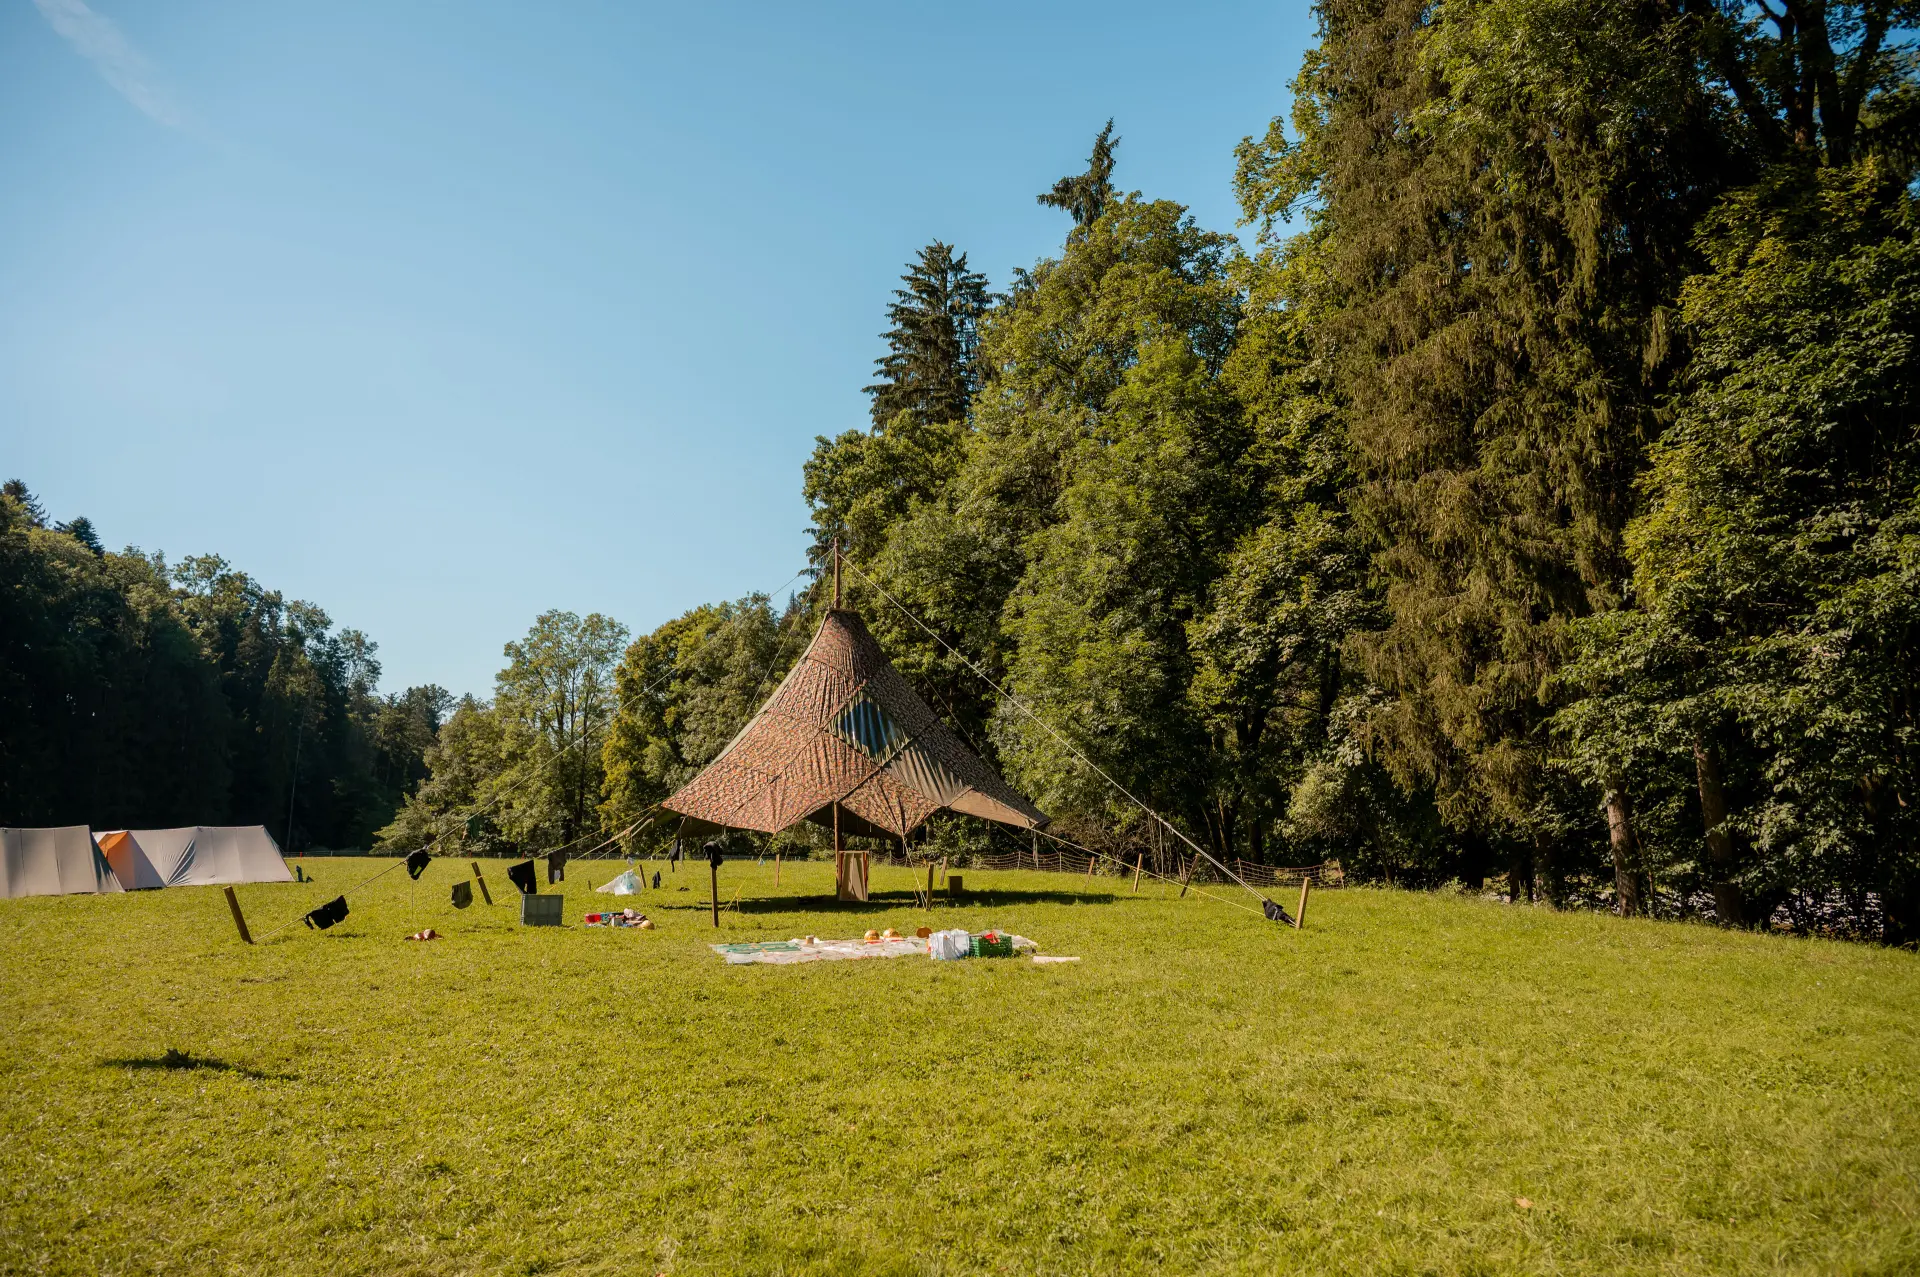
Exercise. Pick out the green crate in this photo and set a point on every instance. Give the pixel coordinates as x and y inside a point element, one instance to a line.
<point>1001,948</point>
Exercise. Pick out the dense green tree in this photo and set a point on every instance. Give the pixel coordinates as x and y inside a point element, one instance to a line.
<point>931,365</point>
<point>1768,667</point>
<point>136,694</point>
<point>1491,185</point>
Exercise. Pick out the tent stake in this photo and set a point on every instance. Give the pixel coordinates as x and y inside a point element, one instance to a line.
<point>484,893</point>
<point>1187,877</point>
<point>1138,865</point>
<point>1300,914</point>
<point>233,903</point>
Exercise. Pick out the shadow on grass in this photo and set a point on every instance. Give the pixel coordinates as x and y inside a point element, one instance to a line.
<point>879,902</point>
<point>186,1061</point>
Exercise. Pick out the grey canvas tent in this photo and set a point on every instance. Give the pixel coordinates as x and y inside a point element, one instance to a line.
<point>52,862</point>
<point>199,855</point>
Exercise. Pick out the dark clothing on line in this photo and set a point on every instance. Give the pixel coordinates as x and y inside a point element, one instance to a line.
<point>417,863</point>
<point>462,894</point>
<point>521,876</point>
<point>328,914</point>
<point>556,867</point>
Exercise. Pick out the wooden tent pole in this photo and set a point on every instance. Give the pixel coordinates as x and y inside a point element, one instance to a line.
<point>836,574</point>
<point>1138,865</point>
<point>1089,881</point>
<point>1300,914</point>
<point>233,903</point>
<point>713,868</point>
<point>1186,877</point>
<point>776,869</point>
<point>484,893</point>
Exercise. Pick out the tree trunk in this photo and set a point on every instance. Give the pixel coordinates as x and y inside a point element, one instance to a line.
<point>1729,901</point>
<point>1520,874</point>
<point>1546,859</point>
<point>1626,852</point>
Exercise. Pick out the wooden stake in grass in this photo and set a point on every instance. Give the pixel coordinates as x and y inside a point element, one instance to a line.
<point>776,868</point>
<point>713,865</point>
<point>1090,863</point>
<point>1138,865</point>
<point>929,884</point>
<point>233,903</point>
<point>1186,875</point>
<point>1300,914</point>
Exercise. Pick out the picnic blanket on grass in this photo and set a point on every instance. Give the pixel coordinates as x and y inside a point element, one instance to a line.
<point>786,952</point>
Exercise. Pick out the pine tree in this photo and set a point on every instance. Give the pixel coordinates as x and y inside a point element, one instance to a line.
<point>930,365</point>
<point>1086,195</point>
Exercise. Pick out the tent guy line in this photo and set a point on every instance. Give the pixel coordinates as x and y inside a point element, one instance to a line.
<point>1198,891</point>
<point>1097,770</point>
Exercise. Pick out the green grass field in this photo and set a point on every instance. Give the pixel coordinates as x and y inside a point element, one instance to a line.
<point>1205,1092</point>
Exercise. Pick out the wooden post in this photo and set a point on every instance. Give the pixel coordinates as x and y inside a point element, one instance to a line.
<point>713,868</point>
<point>776,869</point>
<point>1138,865</point>
<point>233,903</point>
<point>1300,914</point>
<point>484,893</point>
<point>836,574</point>
<point>1090,862</point>
<point>929,884</point>
<point>1186,875</point>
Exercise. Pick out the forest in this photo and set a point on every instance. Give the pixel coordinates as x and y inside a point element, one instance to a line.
<point>1528,499</point>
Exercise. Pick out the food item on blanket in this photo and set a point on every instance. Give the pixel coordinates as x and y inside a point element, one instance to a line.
<point>873,937</point>
<point>888,934</point>
<point>646,924</point>
<point>813,939</point>
<point>924,932</point>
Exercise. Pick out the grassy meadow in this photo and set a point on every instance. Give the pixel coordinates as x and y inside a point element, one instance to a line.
<point>1414,1084</point>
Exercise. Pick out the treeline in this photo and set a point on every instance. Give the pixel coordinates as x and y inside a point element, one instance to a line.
<point>135,693</point>
<point>1538,502</point>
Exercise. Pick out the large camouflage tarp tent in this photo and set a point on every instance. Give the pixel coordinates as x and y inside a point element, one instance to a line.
<point>846,743</point>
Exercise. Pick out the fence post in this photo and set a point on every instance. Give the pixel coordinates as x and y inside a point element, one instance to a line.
<point>233,903</point>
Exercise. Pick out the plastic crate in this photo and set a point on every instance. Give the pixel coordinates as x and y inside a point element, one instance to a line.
<point>985,948</point>
<point>542,911</point>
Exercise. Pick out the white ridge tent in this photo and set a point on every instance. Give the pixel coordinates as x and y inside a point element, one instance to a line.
<point>204,855</point>
<point>52,862</point>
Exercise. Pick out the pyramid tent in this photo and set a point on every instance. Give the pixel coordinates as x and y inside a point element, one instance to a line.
<point>210,855</point>
<point>845,741</point>
<point>52,862</point>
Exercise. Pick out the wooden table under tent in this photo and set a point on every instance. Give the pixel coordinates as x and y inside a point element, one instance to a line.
<point>846,743</point>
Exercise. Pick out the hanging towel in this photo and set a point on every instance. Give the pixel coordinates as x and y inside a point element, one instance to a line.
<point>462,894</point>
<point>328,914</point>
<point>417,863</point>
<point>521,876</point>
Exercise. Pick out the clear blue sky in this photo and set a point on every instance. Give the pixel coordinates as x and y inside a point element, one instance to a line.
<point>440,315</point>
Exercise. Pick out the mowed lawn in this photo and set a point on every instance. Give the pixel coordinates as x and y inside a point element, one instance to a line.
<point>1413,1084</point>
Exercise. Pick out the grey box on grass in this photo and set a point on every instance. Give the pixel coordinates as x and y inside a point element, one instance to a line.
<point>541,911</point>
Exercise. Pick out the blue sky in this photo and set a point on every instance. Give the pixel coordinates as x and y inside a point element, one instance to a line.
<point>440,315</point>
